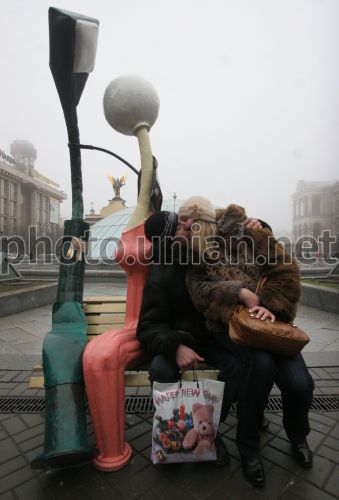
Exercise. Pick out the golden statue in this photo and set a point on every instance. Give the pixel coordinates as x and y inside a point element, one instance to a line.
<point>117,184</point>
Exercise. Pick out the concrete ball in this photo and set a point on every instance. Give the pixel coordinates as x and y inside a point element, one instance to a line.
<point>130,102</point>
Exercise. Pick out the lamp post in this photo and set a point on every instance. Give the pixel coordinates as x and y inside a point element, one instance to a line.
<point>73,41</point>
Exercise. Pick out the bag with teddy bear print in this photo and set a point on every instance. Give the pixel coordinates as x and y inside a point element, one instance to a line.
<point>186,420</point>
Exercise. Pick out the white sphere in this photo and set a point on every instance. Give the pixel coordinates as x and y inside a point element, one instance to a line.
<point>130,102</point>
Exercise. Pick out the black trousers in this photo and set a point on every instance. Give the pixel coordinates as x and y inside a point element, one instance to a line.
<point>292,377</point>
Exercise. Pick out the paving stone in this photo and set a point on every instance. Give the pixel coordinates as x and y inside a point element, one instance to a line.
<point>136,464</point>
<point>279,458</point>
<point>335,432</point>
<point>29,433</point>
<point>331,442</point>
<point>137,430</point>
<point>30,489</point>
<point>233,489</point>
<point>7,376</point>
<point>332,485</point>
<point>32,419</point>
<point>166,490</point>
<point>306,490</point>
<point>32,443</point>
<point>8,450</point>
<point>132,419</point>
<point>96,488</point>
<point>32,454</point>
<point>329,453</point>
<point>63,481</point>
<point>142,442</point>
<point>7,496</point>
<point>15,479</point>
<point>14,425</point>
<point>206,477</point>
<point>143,481</point>
<point>320,472</point>
<point>150,495</point>
<point>12,465</point>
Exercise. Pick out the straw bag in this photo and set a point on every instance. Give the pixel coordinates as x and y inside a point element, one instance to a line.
<point>280,338</point>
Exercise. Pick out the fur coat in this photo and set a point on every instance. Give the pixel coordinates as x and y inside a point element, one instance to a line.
<point>239,258</point>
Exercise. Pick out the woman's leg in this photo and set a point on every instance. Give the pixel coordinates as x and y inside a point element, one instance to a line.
<point>296,386</point>
<point>256,384</point>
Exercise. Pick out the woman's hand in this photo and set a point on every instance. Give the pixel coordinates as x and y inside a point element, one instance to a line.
<point>252,223</point>
<point>248,298</point>
<point>262,313</point>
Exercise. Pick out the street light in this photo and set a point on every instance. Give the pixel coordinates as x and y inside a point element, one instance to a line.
<point>73,42</point>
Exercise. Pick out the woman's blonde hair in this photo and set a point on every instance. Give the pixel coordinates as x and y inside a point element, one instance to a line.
<point>203,237</point>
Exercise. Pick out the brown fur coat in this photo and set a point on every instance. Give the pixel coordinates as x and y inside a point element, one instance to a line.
<point>239,258</point>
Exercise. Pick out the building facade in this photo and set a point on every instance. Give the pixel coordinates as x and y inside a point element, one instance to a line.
<point>316,209</point>
<point>27,199</point>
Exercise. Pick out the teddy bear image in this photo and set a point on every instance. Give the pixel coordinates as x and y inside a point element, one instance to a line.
<point>201,436</point>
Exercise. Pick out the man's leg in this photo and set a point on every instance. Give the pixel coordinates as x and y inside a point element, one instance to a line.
<point>296,385</point>
<point>161,370</point>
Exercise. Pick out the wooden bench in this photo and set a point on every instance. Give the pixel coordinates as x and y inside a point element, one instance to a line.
<point>105,313</point>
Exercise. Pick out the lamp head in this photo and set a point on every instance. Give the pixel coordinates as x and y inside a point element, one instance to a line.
<point>73,43</point>
<point>130,102</point>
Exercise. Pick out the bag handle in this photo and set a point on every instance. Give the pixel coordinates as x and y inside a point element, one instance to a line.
<point>261,282</point>
<point>195,378</point>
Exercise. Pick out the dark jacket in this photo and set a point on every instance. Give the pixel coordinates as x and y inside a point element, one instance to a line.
<point>167,316</point>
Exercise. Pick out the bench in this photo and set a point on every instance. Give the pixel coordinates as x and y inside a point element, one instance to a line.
<point>105,313</point>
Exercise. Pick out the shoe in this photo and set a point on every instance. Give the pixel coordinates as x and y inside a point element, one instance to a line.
<point>302,453</point>
<point>223,456</point>
<point>253,469</point>
<point>263,426</point>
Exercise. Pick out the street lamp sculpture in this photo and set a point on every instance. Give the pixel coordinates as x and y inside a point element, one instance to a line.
<point>73,42</point>
<point>131,107</point>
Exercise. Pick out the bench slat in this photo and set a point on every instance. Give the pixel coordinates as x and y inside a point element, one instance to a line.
<point>131,379</point>
<point>105,318</point>
<point>104,308</point>
<point>104,298</point>
<point>97,329</point>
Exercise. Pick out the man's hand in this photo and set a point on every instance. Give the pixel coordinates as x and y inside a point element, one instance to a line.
<point>262,313</point>
<point>248,298</point>
<point>252,223</point>
<point>187,358</point>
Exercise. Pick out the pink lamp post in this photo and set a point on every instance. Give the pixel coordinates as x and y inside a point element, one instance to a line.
<point>131,107</point>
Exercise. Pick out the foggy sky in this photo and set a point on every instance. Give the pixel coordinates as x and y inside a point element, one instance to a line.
<point>249,99</point>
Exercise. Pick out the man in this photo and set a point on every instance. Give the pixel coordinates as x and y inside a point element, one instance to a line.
<point>169,326</point>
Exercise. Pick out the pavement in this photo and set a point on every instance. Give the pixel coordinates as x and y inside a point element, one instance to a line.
<point>22,434</point>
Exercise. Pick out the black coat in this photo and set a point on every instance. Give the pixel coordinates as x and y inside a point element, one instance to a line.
<point>167,316</point>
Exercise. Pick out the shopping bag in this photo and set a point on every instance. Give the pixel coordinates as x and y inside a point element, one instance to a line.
<point>186,420</point>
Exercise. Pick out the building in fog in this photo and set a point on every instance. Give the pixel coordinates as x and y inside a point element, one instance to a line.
<point>27,198</point>
<point>316,209</point>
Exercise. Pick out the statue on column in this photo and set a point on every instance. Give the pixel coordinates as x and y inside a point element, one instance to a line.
<point>117,184</point>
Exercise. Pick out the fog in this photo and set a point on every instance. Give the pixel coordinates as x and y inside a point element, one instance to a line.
<point>249,100</point>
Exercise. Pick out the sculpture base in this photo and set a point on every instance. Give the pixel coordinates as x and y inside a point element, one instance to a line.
<point>108,464</point>
<point>63,459</point>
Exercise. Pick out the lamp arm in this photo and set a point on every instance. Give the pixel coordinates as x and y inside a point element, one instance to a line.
<point>88,146</point>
